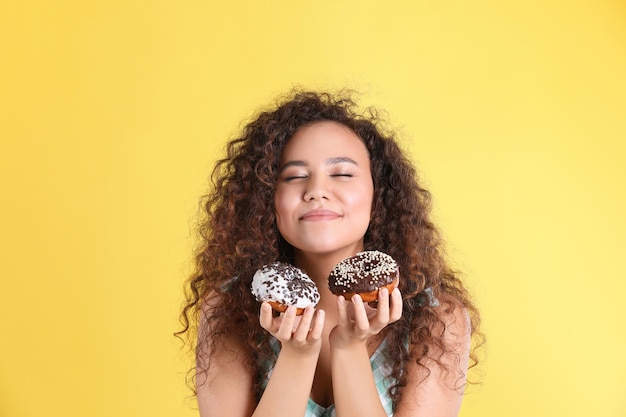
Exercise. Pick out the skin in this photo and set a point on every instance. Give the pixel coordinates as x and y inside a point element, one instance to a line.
<point>323,205</point>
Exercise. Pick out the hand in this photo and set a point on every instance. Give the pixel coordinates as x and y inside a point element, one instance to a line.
<point>358,321</point>
<point>296,333</point>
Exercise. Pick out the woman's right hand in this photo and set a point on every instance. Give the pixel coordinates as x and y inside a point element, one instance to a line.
<point>298,334</point>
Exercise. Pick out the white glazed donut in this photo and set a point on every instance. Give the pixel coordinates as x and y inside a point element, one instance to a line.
<point>283,285</point>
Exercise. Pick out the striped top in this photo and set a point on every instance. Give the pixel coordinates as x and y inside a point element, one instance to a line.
<point>382,377</point>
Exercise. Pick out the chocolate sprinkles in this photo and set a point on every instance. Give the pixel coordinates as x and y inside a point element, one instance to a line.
<point>364,272</point>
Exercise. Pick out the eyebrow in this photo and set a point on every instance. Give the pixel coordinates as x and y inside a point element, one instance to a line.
<point>329,161</point>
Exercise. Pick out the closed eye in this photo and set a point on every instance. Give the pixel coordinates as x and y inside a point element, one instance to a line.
<point>294,178</point>
<point>342,177</point>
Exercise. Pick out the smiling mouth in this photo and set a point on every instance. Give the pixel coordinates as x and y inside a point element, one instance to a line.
<point>320,216</point>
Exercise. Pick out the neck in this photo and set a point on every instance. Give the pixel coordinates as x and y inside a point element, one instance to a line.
<point>318,266</point>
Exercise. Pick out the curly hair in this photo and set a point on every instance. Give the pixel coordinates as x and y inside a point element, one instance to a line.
<point>239,234</point>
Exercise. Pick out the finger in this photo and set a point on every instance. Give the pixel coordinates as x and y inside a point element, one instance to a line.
<point>296,323</point>
<point>342,311</point>
<point>286,326</point>
<point>302,330</point>
<point>266,316</point>
<point>396,305</point>
<point>382,315</point>
<point>318,325</point>
<point>360,315</point>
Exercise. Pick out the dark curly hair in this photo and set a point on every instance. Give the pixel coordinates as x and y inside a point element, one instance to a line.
<point>239,234</point>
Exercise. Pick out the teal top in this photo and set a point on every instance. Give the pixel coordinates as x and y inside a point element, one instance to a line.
<point>381,370</point>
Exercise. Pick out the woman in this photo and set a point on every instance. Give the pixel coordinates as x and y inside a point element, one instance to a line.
<point>310,183</point>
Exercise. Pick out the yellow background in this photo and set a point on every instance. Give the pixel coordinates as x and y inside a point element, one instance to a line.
<point>112,113</point>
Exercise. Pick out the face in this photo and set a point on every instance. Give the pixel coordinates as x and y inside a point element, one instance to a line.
<point>324,191</point>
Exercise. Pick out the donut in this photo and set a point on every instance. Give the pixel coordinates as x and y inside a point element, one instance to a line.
<point>283,285</point>
<point>365,274</point>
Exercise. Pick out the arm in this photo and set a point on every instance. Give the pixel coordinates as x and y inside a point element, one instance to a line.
<point>228,387</point>
<point>354,389</point>
<point>289,387</point>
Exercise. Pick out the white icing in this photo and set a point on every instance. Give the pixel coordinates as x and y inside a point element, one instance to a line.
<point>284,284</point>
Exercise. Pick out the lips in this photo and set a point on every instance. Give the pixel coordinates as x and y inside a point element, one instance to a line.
<point>320,215</point>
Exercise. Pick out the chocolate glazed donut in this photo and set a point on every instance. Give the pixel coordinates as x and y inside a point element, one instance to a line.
<point>365,274</point>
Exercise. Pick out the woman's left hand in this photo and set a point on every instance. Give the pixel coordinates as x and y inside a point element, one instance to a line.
<point>358,321</point>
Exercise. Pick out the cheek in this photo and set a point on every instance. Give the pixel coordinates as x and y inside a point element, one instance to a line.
<point>365,195</point>
<point>361,200</point>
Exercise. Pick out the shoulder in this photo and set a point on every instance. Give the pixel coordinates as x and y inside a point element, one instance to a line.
<point>436,380</point>
<point>452,335</point>
<point>457,325</point>
<point>217,349</point>
<point>222,372</point>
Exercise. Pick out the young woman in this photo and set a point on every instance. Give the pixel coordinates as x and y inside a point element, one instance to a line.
<point>311,182</point>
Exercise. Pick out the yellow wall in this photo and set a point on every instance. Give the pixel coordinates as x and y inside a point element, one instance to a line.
<point>111,113</point>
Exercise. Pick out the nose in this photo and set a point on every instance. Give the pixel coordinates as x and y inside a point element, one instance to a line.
<point>316,189</point>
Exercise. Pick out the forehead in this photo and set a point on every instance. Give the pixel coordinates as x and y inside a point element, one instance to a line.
<point>324,139</point>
